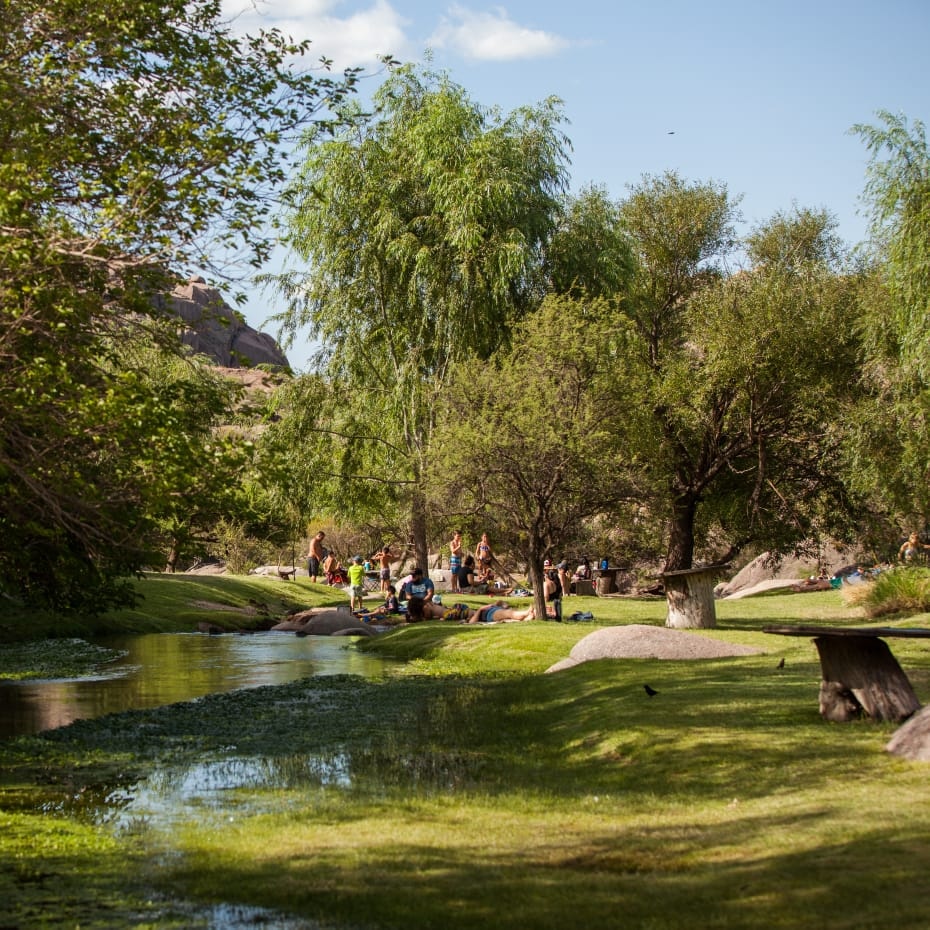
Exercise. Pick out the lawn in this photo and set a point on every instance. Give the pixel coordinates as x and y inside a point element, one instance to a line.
<point>474,790</point>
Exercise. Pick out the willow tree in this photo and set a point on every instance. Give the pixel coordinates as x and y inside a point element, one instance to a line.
<point>891,446</point>
<point>417,234</point>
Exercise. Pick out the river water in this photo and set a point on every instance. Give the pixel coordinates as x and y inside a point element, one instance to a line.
<point>163,668</point>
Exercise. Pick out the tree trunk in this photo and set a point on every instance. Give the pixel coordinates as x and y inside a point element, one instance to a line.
<point>536,579</point>
<point>681,537</point>
<point>174,553</point>
<point>419,530</point>
<point>690,597</point>
<point>690,594</point>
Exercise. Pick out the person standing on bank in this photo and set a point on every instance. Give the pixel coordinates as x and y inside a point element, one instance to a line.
<point>315,556</point>
<point>384,571</point>
<point>356,573</point>
<point>455,559</point>
<point>552,584</point>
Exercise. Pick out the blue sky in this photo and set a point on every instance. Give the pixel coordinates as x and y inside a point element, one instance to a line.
<point>757,95</point>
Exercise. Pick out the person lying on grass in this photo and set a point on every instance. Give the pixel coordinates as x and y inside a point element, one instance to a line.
<point>418,609</point>
<point>499,612</point>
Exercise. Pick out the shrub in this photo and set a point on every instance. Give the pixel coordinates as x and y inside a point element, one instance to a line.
<point>900,590</point>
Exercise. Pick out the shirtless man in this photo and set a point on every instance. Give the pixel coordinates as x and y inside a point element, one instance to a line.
<point>315,556</point>
<point>384,561</point>
<point>455,559</point>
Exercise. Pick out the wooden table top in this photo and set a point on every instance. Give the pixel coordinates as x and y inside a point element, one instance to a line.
<point>872,631</point>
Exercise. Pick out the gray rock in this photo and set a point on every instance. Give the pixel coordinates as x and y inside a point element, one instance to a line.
<point>912,740</point>
<point>214,329</point>
<point>323,622</point>
<point>642,641</point>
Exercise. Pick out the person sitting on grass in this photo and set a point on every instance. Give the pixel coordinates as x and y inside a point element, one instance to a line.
<point>390,607</point>
<point>419,585</point>
<point>465,575</point>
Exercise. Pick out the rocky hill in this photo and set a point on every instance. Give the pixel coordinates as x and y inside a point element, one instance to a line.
<point>214,329</point>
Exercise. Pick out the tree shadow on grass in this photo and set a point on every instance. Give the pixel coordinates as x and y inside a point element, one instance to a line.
<point>691,873</point>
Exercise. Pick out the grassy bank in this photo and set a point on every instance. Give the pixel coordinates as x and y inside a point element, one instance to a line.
<point>474,790</point>
<point>176,604</point>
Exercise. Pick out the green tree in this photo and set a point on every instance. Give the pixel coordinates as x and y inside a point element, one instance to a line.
<point>898,193</point>
<point>589,252</point>
<point>137,138</point>
<point>528,440</point>
<point>421,231</point>
<point>730,379</point>
<point>890,447</point>
<point>193,466</point>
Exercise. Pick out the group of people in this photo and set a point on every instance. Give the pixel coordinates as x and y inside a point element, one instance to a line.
<point>413,596</point>
<point>557,580</point>
<point>472,573</point>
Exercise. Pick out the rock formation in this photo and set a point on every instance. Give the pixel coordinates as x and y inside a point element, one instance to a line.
<point>214,329</point>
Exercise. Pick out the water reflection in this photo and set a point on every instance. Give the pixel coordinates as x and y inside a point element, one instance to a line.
<point>174,795</point>
<point>163,668</point>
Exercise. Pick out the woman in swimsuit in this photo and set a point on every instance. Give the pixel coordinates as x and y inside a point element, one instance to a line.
<point>483,553</point>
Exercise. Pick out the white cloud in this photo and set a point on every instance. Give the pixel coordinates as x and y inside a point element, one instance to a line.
<point>493,36</point>
<point>356,40</point>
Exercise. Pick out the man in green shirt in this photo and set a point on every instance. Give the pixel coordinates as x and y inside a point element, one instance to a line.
<point>356,573</point>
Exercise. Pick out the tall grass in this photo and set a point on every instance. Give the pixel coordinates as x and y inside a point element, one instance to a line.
<point>901,590</point>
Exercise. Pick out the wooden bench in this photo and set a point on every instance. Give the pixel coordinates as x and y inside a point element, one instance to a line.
<point>859,673</point>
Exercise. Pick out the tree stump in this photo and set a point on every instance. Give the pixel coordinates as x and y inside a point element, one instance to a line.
<point>690,597</point>
<point>861,676</point>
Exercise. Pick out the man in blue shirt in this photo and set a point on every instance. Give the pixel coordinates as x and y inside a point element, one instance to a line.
<point>417,586</point>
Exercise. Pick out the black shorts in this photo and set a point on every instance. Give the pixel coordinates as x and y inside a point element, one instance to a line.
<point>313,566</point>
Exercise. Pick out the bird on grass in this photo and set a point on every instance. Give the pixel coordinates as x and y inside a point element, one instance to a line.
<point>781,664</point>
<point>650,691</point>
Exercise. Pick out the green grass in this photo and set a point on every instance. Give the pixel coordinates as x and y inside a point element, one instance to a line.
<point>177,603</point>
<point>481,792</point>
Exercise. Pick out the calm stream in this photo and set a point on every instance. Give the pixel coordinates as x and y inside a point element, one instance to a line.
<point>163,668</point>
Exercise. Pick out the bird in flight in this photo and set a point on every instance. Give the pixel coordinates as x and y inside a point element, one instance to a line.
<point>650,691</point>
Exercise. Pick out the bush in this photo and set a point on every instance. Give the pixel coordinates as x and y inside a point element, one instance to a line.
<point>900,590</point>
<point>240,551</point>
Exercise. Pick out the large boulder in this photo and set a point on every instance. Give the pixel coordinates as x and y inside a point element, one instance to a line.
<point>643,641</point>
<point>912,740</point>
<point>324,622</point>
<point>765,573</point>
<point>214,329</point>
